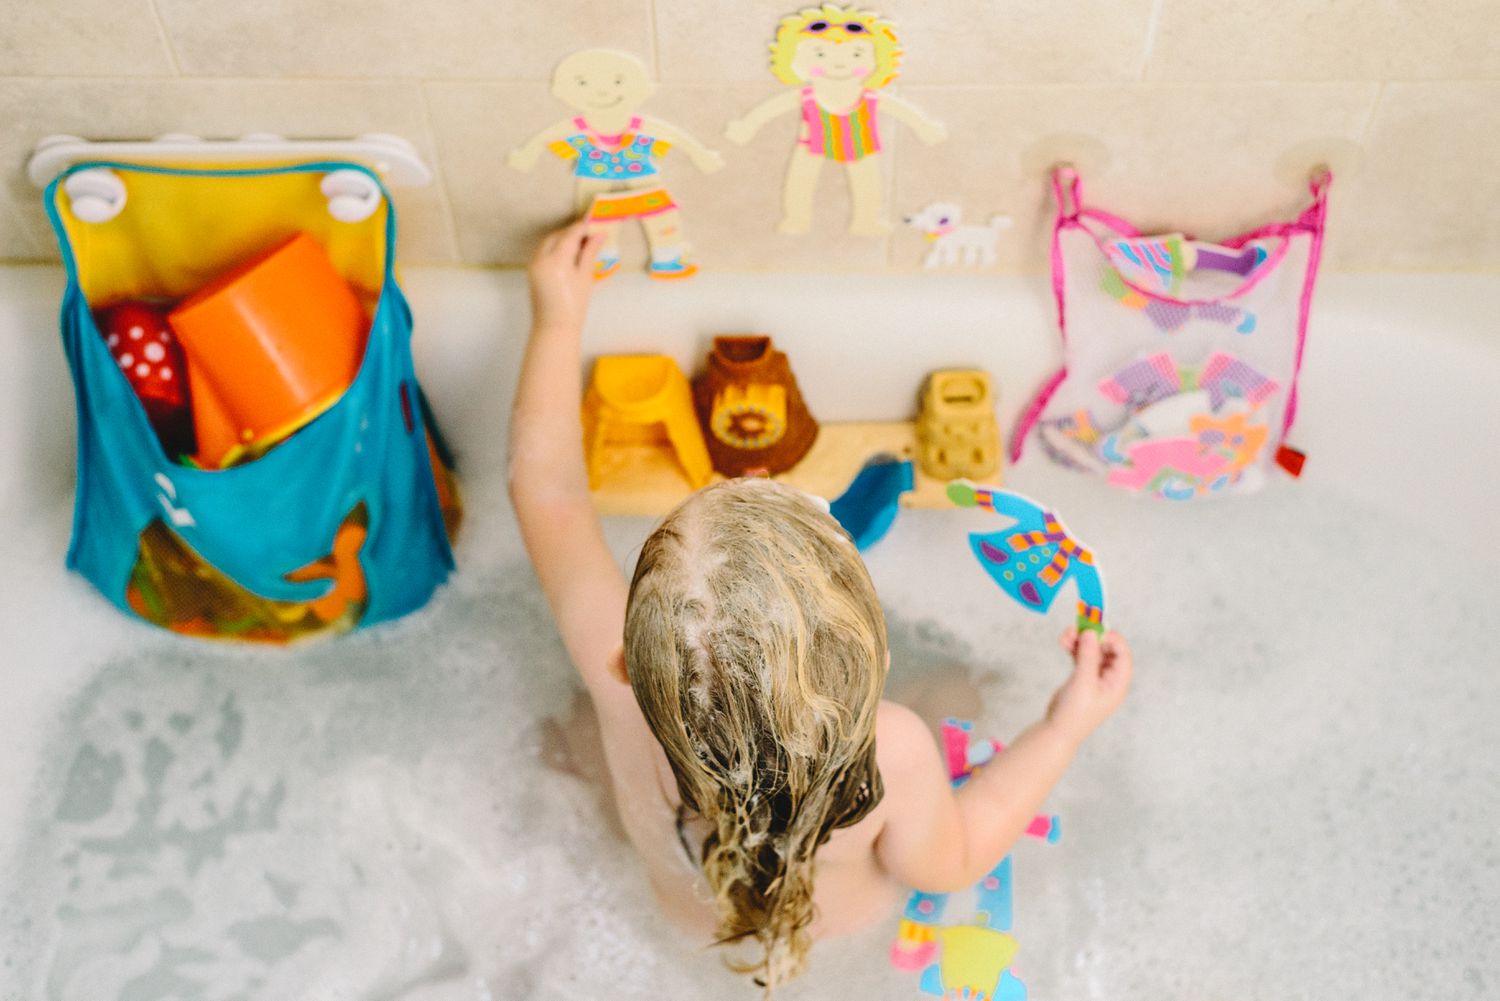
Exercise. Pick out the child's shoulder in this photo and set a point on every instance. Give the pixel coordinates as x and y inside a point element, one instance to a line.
<point>900,735</point>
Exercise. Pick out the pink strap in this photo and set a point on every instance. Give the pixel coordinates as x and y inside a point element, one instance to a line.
<point>1114,222</point>
<point>1069,207</point>
<point>1033,413</point>
<point>1313,220</point>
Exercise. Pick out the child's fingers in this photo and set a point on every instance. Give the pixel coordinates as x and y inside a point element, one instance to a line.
<point>1069,638</point>
<point>1117,662</point>
<point>1086,653</point>
<point>588,249</point>
<point>562,238</point>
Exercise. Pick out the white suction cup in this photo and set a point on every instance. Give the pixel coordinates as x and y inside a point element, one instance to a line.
<point>95,195</point>
<point>1343,157</point>
<point>1085,152</point>
<point>352,196</point>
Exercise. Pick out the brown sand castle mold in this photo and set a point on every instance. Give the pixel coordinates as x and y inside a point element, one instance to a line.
<point>752,412</point>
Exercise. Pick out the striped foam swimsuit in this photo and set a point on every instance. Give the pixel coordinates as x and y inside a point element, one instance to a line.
<point>843,138</point>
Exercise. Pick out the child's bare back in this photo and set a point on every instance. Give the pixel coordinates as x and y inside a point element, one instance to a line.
<point>772,794</point>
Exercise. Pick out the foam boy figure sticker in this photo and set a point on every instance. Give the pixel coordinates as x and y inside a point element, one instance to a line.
<point>613,152</point>
<point>836,61</point>
<point>1033,558</point>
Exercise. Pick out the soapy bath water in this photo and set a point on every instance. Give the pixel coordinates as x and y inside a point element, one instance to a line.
<point>398,815</point>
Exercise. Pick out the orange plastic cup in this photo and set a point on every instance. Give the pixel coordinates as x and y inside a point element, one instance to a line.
<point>276,341</point>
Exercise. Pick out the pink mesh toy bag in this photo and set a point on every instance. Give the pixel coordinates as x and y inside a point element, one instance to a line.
<point>1180,357</point>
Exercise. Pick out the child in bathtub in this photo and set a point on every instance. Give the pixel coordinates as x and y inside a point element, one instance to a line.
<point>774,797</point>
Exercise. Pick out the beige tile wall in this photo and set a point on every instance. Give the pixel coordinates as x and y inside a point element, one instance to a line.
<point>1183,112</point>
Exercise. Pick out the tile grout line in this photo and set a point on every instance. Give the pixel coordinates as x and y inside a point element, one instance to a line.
<point>652,23</point>
<point>166,38</point>
<point>1153,24</point>
<point>1364,132</point>
<point>719,85</point>
<point>439,178</point>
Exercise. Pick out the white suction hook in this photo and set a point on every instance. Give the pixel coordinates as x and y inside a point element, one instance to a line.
<point>96,194</point>
<point>394,159</point>
<point>1341,156</point>
<point>352,196</point>
<point>1085,153</point>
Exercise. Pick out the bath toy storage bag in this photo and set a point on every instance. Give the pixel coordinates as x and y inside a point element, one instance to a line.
<point>1180,357</point>
<point>339,525</point>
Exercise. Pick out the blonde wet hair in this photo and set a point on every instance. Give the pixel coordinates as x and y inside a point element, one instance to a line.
<point>756,649</point>
<point>880,32</point>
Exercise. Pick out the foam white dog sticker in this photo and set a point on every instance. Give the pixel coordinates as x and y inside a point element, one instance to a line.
<point>955,242</point>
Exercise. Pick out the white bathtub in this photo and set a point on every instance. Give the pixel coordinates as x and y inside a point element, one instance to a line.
<point>1301,798</point>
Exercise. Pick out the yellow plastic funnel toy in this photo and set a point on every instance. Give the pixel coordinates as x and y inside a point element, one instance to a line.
<point>641,399</point>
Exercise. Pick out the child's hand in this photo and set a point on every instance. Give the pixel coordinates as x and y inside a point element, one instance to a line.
<point>562,276</point>
<point>1100,679</point>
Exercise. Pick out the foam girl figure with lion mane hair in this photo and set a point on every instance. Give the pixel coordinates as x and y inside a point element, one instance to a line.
<point>612,151</point>
<point>839,59</point>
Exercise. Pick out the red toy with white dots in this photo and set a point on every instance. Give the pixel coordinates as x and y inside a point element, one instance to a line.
<point>152,360</point>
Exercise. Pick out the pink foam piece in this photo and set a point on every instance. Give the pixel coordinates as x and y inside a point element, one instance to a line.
<point>1040,826</point>
<point>1181,455</point>
<point>956,750</point>
<point>903,958</point>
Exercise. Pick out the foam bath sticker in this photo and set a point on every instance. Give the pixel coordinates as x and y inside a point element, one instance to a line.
<point>1226,377</point>
<point>836,62</point>
<point>613,152</point>
<point>1143,382</point>
<point>951,241</point>
<point>971,960</point>
<point>1168,315</point>
<point>1033,558</point>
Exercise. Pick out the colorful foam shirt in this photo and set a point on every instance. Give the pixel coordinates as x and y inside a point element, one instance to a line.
<point>621,157</point>
<point>1033,559</point>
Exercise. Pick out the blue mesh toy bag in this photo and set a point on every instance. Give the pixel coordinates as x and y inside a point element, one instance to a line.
<point>341,522</point>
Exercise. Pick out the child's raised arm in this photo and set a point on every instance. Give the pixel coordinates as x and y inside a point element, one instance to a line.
<point>938,840</point>
<point>548,481</point>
